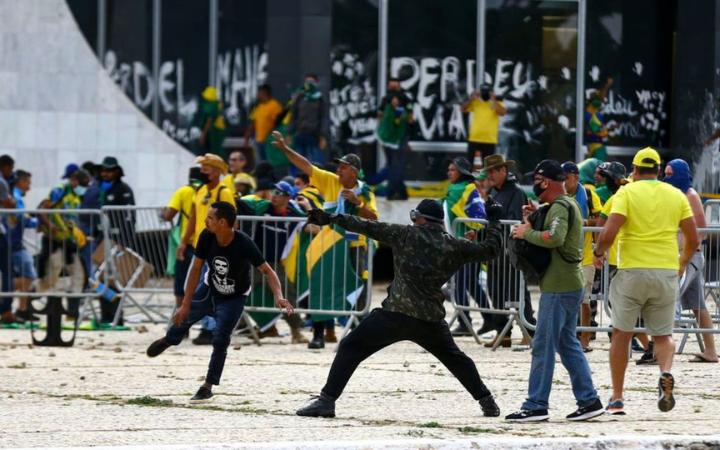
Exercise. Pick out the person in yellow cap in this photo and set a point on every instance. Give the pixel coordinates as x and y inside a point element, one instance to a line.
<point>237,164</point>
<point>211,122</point>
<point>212,167</point>
<point>244,184</point>
<point>645,218</point>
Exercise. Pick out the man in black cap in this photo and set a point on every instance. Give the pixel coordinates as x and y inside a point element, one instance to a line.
<point>425,256</point>
<point>115,192</point>
<point>561,288</point>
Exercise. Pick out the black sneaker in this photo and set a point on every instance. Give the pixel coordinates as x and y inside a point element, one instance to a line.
<point>587,412</point>
<point>157,347</point>
<point>647,359</point>
<point>202,395</point>
<point>321,406</point>
<point>666,384</point>
<point>489,407</point>
<point>460,330</point>
<point>204,338</point>
<point>524,415</point>
<point>316,343</point>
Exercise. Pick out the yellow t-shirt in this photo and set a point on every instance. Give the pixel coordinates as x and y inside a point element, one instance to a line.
<point>653,211</point>
<point>229,182</point>
<point>588,239</point>
<point>264,116</point>
<point>182,202</point>
<point>612,251</point>
<point>484,122</point>
<point>202,201</point>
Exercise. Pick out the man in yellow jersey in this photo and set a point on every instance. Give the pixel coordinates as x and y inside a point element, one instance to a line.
<point>181,203</point>
<point>344,193</point>
<point>486,111</point>
<point>212,167</point>
<point>645,217</point>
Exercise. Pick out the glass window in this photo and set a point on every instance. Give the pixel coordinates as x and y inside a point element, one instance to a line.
<point>531,60</point>
<point>185,40</point>
<point>128,57</point>
<point>631,43</point>
<point>431,50</point>
<point>86,16</point>
<point>242,58</point>
<point>353,85</point>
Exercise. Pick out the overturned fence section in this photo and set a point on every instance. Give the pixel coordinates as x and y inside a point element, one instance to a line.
<point>497,288</point>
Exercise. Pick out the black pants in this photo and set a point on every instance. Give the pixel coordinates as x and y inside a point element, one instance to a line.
<point>503,287</point>
<point>483,148</point>
<point>382,328</point>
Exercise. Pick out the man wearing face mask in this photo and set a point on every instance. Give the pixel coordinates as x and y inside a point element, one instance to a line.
<point>62,235</point>
<point>486,110</point>
<point>561,288</point>
<point>307,122</point>
<point>425,256</point>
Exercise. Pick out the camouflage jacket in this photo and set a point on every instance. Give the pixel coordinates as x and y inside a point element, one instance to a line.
<point>424,258</point>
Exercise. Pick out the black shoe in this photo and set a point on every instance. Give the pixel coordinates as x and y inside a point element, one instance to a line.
<point>647,359</point>
<point>460,330</point>
<point>202,395</point>
<point>204,338</point>
<point>157,347</point>
<point>666,385</point>
<point>537,415</point>
<point>636,346</point>
<point>587,412</point>
<point>316,343</point>
<point>321,406</point>
<point>489,407</point>
<point>485,329</point>
<point>26,316</point>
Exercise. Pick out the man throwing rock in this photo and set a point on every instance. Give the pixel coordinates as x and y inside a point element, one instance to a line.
<point>425,256</point>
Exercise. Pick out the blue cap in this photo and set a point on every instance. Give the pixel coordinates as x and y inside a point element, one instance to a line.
<point>70,169</point>
<point>286,188</point>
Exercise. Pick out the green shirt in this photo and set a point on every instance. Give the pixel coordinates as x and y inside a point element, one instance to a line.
<point>561,276</point>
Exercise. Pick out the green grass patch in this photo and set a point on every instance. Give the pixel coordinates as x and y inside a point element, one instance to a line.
<point>149,401</point>
<point>430,425</point>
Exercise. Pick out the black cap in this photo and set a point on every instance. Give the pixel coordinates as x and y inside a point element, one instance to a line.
<point>551,169</point>
<point>570,167</point>
<point>463,165</point>
<point>265,184</point>
<point>613,170</point>
<point>351,159</point>
<point>110,163</point>
<point>431,209</point>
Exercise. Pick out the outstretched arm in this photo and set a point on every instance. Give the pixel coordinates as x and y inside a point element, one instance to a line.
<point>295,158</point>
<point>489,248</point>
<point>387,233</point>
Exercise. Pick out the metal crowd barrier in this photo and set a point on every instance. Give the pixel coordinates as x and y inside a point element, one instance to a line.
<point>337,287</point>
<point>47,257</point>
<point>480,284</point>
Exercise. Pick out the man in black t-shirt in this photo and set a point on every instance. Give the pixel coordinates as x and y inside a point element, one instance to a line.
<point>230,255</point>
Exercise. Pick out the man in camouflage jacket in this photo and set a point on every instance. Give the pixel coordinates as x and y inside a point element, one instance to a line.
<point>424,258</point>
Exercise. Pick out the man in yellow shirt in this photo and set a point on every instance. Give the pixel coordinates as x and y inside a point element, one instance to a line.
<point>182,202</point>
<point>645,217</point>
<point>344,193</point>
<point>212,167</point>
<point>486,111</point>
<point>263,119</point>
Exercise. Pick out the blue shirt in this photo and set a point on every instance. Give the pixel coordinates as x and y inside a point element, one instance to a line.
<point>23,222</point>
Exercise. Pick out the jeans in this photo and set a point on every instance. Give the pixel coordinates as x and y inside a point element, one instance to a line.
<point>308,145</point>
<point>227,313</point>
<point>394,171</point>
<point>556,332</point>
<point>382,328</point>
<point>201,291</point>
<point>467,282</point>
<point>7,280</point>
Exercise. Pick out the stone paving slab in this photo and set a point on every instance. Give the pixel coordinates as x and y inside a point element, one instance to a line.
<point>105,391</point>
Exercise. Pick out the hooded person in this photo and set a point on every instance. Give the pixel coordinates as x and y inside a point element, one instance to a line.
<point>680,176</point>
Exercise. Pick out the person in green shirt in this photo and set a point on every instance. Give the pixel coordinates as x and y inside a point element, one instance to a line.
<point>211,122</point>
<point>561,288</point>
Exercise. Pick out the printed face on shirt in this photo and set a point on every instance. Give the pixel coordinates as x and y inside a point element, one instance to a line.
<point>221,266</point>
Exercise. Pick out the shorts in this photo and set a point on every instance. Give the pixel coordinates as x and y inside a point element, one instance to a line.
<point>647,292</point>
<point>589,274</point>
<point>23,265</point>
<point>692,289</point>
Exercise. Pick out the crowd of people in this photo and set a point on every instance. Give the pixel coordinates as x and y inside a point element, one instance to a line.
<point>67,239</point>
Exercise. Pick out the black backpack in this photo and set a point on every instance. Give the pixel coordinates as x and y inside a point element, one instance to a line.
<point>533,260</point>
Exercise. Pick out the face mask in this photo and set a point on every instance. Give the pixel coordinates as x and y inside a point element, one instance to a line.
<point>538,190</point>
<point>106,185</point>
<point>311,86</point>
<point>80,190</point>
<point>485,95</point>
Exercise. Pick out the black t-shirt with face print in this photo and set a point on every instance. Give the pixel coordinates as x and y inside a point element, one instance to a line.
<point>229,267</point>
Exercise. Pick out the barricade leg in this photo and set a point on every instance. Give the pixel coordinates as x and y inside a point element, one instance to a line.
<point>54,311</point>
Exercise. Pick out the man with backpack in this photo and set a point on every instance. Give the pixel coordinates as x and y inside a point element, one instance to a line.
<point>561,287</point>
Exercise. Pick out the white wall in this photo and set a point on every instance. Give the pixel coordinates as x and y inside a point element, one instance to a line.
<point>57,106</point>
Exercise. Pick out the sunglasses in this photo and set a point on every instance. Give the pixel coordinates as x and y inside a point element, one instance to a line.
<point>279,192</point>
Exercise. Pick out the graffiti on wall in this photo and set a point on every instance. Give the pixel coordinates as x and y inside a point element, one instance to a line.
<point>353,100</point>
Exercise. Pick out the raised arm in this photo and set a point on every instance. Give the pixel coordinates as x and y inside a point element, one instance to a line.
<point>387,233</point>
<point>295,158</point>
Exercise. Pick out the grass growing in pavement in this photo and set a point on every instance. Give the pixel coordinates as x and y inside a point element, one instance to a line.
<point>149,401</point>
<point>430,425</point>
<point>473,430</point>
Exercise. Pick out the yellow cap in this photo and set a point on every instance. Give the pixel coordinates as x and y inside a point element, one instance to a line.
<point>647,157</point>
<point>210,94</point>
<point>245,178</point>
